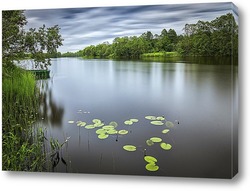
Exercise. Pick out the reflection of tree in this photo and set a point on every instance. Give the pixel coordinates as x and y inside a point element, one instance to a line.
<point>50,111</point>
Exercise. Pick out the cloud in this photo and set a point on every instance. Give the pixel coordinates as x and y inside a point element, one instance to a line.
<point>81,27</point>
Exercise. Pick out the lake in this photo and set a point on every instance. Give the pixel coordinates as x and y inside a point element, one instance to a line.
<point>198,96</point>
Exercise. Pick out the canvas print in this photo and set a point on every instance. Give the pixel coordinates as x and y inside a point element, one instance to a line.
<point>146,90</point>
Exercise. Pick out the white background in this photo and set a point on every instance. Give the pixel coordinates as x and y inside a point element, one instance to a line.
<point>58,182</point>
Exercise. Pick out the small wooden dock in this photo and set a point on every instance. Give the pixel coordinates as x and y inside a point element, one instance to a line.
<point>41,74</point>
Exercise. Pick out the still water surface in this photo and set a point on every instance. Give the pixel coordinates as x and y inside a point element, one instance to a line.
<point>200,97</point>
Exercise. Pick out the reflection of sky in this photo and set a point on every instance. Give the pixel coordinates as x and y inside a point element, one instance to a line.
<point>81,27</point>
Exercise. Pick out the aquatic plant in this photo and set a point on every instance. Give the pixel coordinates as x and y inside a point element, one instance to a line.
<point>169,124</point>
<point>151,166</point>
<point>22,145</point>
<point>165,146</point>
<point>129,148</point>
<point>164,131</point>
<point>156,139</point>
<point>157,122</point>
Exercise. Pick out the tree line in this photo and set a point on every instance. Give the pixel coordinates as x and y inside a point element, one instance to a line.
<point>218,37</point>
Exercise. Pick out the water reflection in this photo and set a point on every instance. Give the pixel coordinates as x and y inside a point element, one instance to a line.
<point>196,60</point>
<point>51,112</point>
<point>197,95</point>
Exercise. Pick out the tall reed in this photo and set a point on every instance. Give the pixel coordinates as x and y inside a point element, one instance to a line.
<point>22,146</point>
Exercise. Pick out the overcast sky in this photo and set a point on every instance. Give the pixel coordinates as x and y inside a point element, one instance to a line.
<point>81,27</point>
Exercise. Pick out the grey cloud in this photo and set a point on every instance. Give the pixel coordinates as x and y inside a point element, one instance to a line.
<point>81,27</point>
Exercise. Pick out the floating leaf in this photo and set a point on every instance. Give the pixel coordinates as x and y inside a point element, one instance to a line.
<point>134,120</point>
<point>156,139</point>
<point>129,148</point>
<point>165,131</point>
<point>165,146</point>
<point>149,142</point>
<point>89,127</point>
<point>98,124</point>
<point>128,122</point>
<point>111,131</point>
<point>100,131</point>
<point>97,121</point>
<point>113,123</point>
<point>103,136</point>
<point>169,124</point>
<point>81,123</point>
<point>107,127</point>
<point>152,167</point>
<point>160,118</point>
<point>78,123</point>
<point>157,122</point>
<point>150,117</point>
<point>71,122</point>
<point>150,159</point>
<point>123,132</point>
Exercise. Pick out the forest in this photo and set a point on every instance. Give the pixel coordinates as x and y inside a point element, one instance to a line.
<point>218,37</point>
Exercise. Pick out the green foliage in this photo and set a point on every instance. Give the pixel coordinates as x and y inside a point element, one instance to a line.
<point>216,38</point>
<point>160,54</point>
<point>22,145</point>
<point>39,44</point>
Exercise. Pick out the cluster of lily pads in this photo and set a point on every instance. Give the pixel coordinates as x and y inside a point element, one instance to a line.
<point>154,140</point>
<point>104,130</point>
<point>159,121</point>
<point>151,163</point>
<point>130,121</point>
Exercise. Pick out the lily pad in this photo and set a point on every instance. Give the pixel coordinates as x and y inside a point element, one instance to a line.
<point>161,118</point>
<point>71,122</point>
<point>97,121</point>
<point>150,159</point>
<point>107,127</point>
<point>100,131</point>
<point>81,123</point>
<point>128,122</point>
<point>169,124</point>
<point>134,120</point>
<point>156,139</point>
<point>113,123</point>
<point>89,126</point>
<point>149,142</point>
<point>111,131</point>
<point>129,148</point>
<point>152,167</point>
<point>103,136</point>
<point>157,122</point>
<point>164,131</point>
<point>165,146</point>
<point>123,132</point>
<point>150,117</point>
<point>98,124</point>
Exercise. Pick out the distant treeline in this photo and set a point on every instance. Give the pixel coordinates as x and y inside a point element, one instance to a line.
<point>216,38</point>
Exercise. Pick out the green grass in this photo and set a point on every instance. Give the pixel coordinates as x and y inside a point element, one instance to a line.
<point>22,145</point>
<point>161,54</point>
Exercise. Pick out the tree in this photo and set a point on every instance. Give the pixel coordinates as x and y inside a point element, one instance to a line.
<point>216,38</point>
<point>13,23</point>
<point>18,43</point>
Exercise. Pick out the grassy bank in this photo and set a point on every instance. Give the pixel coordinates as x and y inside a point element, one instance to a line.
<point>161,54</point>
<point>22,145</point>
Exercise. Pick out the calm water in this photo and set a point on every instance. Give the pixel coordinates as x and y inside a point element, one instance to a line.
<point>199,96</point>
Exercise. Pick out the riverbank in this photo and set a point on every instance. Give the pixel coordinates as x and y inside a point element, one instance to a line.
<point>161,55</point>
<point>22,144</point>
